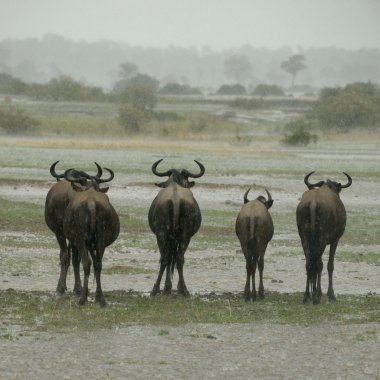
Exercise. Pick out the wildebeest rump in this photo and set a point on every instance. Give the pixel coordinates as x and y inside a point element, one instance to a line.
<point>91,224</point>
<point>174,217</point>
<point>56,202</point>
<point>321,221</point>
<point>254,228</point>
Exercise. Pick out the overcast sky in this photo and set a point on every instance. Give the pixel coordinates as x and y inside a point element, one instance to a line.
<point>220,24</point>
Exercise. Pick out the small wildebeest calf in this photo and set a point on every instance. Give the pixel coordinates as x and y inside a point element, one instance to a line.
<point>91,224</point>
<point>174,217</point>
<point>321,220</point>
<point>56,202</point>
<point>254,228</point>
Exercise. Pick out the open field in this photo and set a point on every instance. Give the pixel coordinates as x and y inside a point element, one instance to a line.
<point>214,333</point>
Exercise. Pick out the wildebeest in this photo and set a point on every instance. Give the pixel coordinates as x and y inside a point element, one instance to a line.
<point>56,202</point>
<point>254,228</point>
<point>174,217</point>
<point>321,220</point>
<point>90,224</point>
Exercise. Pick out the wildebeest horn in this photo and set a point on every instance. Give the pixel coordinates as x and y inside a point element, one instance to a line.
<point>200,174</point>
<point>164,174</point>
<point>99,180</point>
<point>100,171</point>
<point>349,183</point>
<point>54,173</point>
<point>269,196</point>
<point>246,200</point>
<point>311,185</point>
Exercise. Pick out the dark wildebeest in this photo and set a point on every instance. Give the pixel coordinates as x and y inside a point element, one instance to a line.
<point>174,217</point>
<point>56,202</point>
<point>321,220</point>
<point>254,228</point>
<point>90,224</point>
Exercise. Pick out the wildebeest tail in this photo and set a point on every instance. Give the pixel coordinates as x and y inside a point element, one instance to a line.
<point>314,241</point>
<point>91,226</point>
<point>252,240</point>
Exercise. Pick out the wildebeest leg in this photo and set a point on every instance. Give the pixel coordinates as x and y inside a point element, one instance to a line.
<point>86,263</point>
<point>261,270</point>
<point>330,269</point>
<point>254,266</point>
<point>163,264</point>
<point>306,297</point>
<point>181,287</point>
<point>248,268</point>
<point>64,258</point>
<point>97,263</point>
<point>76,262</point>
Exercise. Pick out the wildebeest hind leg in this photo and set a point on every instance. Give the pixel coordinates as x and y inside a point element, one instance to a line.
<point>330,269</point>
<point>75,258</point>
<point>163,265</point>
<point>261,270</point>
<point>97,263</point>
<point>64,258</point>
<point>181,287</point>
<point>86,263</point>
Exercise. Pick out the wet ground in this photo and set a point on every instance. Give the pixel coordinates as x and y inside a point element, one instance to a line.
<point>263,351</point>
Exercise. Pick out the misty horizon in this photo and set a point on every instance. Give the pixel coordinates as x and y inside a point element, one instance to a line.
<point>219,25</point>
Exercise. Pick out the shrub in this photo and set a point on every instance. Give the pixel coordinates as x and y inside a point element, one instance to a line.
<point>14,120</point>
<point>296,133</point>
<point>231,89</point>
<point>268,90</point>
<point>131,118</point>
<point>355,105</point>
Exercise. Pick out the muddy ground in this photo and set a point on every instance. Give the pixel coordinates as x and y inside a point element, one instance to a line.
<point>263,351</point>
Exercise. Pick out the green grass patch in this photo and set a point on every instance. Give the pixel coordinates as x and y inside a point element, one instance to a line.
<point>126,269</point>
<point>34,311</point>
<point>358,257</point>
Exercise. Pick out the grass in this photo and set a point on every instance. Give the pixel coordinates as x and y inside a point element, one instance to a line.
<point>34,311</point>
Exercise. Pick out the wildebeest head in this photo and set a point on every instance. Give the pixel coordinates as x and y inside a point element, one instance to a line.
<point>333,185</point>
<point>179,177</point>
<point>79,174</point>
<point>81,181</point>
<point>267,202</point>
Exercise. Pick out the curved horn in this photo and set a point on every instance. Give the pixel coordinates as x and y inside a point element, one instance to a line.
<point>269,196</point>
<point>154,170</point>
<point>349,183</point>
<point>100,171</point>
<point>110,178</point>
<point>246,200</point>
<point>200,174</point>
<point>312,185</point>
<point>54,173</point>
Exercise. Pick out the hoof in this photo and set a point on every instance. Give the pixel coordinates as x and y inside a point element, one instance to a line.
<point>306,299</point>
<point>77,290</point>
<point>316,301</point>
<point>261,294</point>
<point>167,290</point>
<point>247,296</point>
<point>82,301</point>
<point>184,292</point>
<point>61,289</point>
<point>154,291</point>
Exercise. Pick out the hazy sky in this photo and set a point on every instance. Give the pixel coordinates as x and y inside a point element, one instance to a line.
<point>221,24</point>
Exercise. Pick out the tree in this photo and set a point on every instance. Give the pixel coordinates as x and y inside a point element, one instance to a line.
<point>126,72</point>
<point>141,92</point>
<point>293,65</point>
<point>238,68</point>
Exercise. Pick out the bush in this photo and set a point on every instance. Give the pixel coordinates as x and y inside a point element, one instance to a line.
<point>231,89</point>
<point>14,120</point>
<point>166,116</point>
<point>268,90</point>
<point>131,118</point>
<point>356,105</point>
<point>296,133</point>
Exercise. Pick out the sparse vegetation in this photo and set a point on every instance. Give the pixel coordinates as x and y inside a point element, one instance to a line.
<point>14,120</point>
<point>297,132</point>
